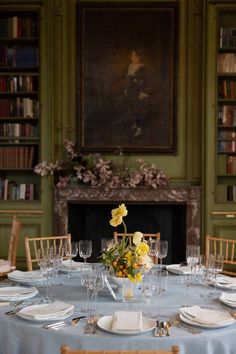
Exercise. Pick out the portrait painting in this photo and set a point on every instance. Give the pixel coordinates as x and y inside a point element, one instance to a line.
<point>127,72</point>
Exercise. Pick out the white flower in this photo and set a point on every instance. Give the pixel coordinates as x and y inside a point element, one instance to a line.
<point>137,238</point>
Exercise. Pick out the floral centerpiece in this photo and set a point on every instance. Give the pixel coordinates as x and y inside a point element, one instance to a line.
<point>128,258</point>
<point>95,170</point>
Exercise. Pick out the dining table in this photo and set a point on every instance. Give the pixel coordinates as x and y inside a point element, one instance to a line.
<point>26,336</point>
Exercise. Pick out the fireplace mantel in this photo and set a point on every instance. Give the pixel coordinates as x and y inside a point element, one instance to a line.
<point>190,195</point>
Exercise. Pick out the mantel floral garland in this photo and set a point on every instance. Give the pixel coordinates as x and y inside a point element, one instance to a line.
<point>96,171</point>
<point>128,258</point>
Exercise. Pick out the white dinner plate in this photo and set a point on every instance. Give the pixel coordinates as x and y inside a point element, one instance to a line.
<point>13,293</point>
<point>228,299</point>
<point>105,323</point>
<point>34,277</point>
<point>193,323</point>
<point>175,268</point>
<point>46,312</point>
<point>76,267</point>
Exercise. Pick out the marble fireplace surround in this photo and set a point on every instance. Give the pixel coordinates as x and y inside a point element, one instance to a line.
<point>190,195</point>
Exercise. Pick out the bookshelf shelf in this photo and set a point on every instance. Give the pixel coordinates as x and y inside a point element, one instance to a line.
<point>226,106</point>
<point>19,104</point>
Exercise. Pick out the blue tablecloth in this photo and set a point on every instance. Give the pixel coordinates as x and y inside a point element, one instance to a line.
<point>19,336</point>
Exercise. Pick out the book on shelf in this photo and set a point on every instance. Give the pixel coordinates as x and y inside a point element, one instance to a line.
<point>17,157</point>
<point>227,63</point>
<point>18,83</point>
<point>226,146</point>
<point>227,115</point>
<point>231,165</point>
<point>19,107</point>
<point>227,89</point>
<point>19,26</point>
<point>227,37</point>
<point>11,190</point>
<point>231,193</point>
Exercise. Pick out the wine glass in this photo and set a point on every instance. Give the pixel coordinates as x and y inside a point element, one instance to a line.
<point>153,250</point>
<point>85,278</point>
<point>217,263</point>
<point>185,279</point>
<point>159,284</point>
<point>192,255</point>
<point>71,251</point>
<point>162,250</point>
<point>146,288</point>
<point>205,273</point>
<point>85,249</point>
<point>46,270</point>
<point>97,283</point>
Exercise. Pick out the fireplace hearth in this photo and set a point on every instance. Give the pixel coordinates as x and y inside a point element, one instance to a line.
<point>172,211</point>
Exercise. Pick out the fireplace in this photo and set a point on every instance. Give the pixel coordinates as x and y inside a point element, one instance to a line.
<point>174,212</point>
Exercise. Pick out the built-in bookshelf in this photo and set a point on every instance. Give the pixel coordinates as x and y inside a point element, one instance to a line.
<point>19,104</point>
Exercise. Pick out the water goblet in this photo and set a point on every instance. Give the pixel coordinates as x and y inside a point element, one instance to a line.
<point>146,288</point>
<point>46,270</point>
<point>217,263</point>
<point>192,256</point>
<point>162,250</point>
<point>71,251</point>
<point>86,279</point>
<point>205,274</point>
<point>85,249</point>
<point>153,250</point>
<point>159,285</point>
<point>97,284</point>
<point>185,279</point>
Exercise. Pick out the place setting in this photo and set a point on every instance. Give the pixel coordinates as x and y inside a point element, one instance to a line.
<point>54,311</point>
<point>17,293</point>
<point>228,299</point>
<point>126,323</point>
<point>205,317</point>
<point>34,277</point>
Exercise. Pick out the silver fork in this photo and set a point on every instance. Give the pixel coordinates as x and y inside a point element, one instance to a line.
<point>58,325</point>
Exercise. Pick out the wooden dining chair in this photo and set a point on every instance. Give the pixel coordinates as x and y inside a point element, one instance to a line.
<point>148,237</point>
<point>174,350</point>
<point>226,247</point>
<point>32,244</point>
<point>13,243</point>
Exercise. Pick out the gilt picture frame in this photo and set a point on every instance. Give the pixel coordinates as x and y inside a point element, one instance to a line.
<point>127,76</point>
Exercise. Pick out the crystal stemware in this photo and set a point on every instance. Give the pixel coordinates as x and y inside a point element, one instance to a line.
<point>185,279</point>
<point>85,249</point>
<point>71,251</point>
<point>159,285</point>
<point>217,263</point>
<point>162,250</point>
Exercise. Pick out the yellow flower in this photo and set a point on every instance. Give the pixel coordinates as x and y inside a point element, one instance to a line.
<point>117,220</point>
<point>118,214</point>
<point>142,249</point>
<point>128,256</point>
<point>137,238</point>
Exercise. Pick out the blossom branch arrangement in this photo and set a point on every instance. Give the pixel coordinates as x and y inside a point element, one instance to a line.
<point>95,170</point>
<point>128,258</point>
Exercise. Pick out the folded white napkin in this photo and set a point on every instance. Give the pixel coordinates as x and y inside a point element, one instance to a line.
<point>50,311</point>
<point>175,268</point>
<point>206,316</point>
<point>29,276</point>
<point>74,265</point>
<point>127,321</point>
<point>9,291</point>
